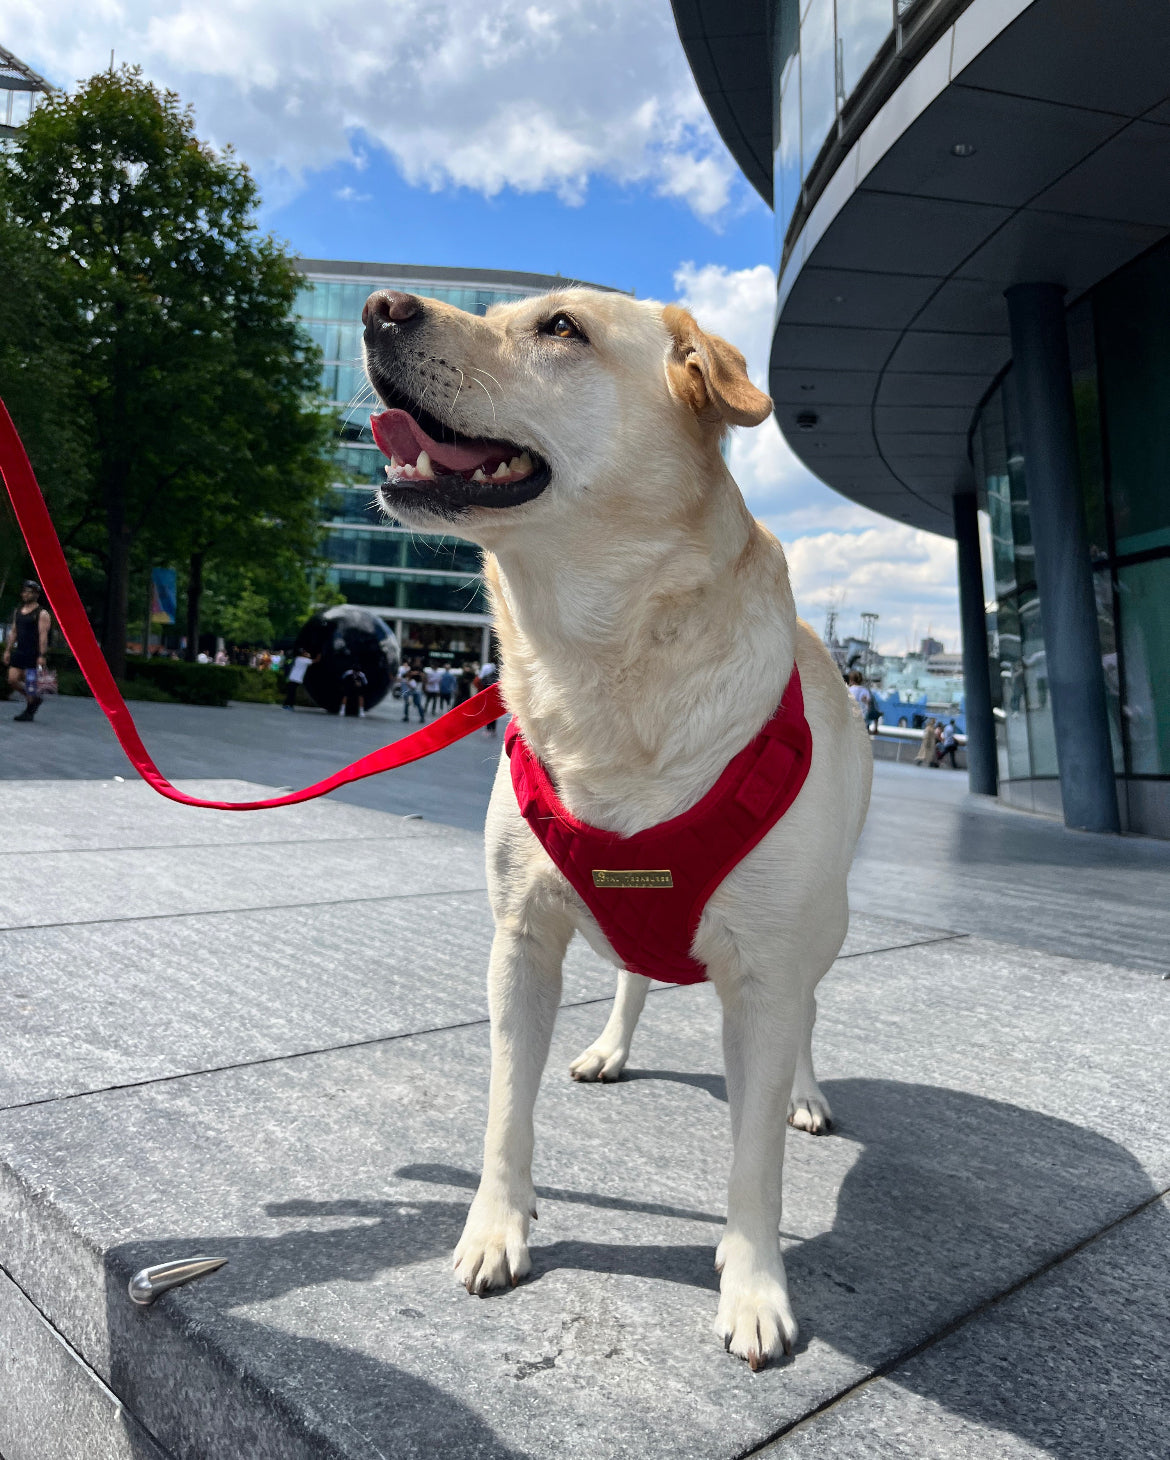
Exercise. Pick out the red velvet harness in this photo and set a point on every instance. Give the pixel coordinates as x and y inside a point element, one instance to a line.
<point>648,891</point>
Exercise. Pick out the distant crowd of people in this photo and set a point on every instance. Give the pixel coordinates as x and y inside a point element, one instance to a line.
<point>939,738</point>
<point>938,742</point>
<point>434,688</point>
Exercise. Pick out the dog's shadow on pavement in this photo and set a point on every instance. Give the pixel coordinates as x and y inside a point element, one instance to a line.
<point>952,1199</point>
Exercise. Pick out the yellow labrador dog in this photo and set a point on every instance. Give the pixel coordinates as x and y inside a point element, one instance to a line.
<point>648,633</point>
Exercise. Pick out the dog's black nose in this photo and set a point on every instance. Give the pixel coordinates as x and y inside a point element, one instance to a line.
<point>388,306</point>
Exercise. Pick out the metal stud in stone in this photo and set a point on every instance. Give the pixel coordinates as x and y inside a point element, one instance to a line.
<point>148,1282</point>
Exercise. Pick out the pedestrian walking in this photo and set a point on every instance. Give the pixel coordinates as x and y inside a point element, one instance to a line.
<point>487,676</point>
<point>434,680</point>
<point>863,698</point>
<point>28,644</point>
<point>925,754</point>
<point>412,694</point>
<point>447,683</point>
<point>465,685</point>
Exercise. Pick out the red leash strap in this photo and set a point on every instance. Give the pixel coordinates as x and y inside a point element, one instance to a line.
<point>35,523</point>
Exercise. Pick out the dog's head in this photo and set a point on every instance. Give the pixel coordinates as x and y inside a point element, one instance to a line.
<point>542,406</point>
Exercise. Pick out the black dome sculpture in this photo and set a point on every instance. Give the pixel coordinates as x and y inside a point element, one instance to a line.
<point>343,637</point>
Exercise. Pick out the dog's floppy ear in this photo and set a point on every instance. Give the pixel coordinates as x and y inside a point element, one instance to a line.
<point>710,376</point>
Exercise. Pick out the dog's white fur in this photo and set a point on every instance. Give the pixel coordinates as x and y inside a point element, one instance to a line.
<point>648,630</point>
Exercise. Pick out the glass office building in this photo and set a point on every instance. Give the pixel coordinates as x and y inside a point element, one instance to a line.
<point>428,587</point>
<point>972,213</point>
<point>21,89</point>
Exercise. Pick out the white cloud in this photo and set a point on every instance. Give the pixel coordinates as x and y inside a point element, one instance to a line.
<point>514,95</point>
<point>837,551</point>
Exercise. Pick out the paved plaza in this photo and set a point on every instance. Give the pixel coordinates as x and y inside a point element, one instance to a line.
<point>263,1037</point>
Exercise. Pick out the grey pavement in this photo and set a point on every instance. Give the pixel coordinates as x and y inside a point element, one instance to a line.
<point>70,740</point>
<point>264,1037</point>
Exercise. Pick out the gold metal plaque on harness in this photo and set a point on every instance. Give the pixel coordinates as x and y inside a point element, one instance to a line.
<point>632,879</point>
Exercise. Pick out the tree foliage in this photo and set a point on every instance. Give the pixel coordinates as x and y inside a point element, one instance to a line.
<point>203,439</point>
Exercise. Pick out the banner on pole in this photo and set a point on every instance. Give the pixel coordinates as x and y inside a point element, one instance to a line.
<point>162,595</point>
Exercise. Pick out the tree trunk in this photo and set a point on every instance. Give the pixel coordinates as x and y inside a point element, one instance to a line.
<point>194,594</point>
<point>114,488</point>
<point>117,585</point>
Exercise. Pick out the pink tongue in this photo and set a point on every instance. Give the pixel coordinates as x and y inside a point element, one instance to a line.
<point>399,434</point>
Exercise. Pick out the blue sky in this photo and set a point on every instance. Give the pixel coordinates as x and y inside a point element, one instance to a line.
<point>556,136</point>
<point>619,234</point>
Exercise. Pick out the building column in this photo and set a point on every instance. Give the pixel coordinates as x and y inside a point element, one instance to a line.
<point>981,768</point>
<point>485,644</point>
<point>1068,611</point>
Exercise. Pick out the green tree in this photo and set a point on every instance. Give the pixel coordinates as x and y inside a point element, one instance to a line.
<point>202,421</point>
<point>39,386</point>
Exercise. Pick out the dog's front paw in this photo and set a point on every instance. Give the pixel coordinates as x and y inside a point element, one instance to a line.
<point>600,1062</point>
<point>808,1110</point>
<point>755,1318</point>
<point>493,1250</point>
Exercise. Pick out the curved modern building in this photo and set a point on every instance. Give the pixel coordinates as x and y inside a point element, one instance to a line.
<point>972,336</point>
<point>427,586</point>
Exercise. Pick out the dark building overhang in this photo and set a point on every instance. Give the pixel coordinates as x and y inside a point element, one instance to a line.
<point>728,46</point>
<point>891,323</point>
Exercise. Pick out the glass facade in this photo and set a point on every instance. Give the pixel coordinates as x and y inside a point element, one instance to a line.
<point>373,561</point>
<point>823,48</point>
<point>1019,673</point>
<point>1119,345</point>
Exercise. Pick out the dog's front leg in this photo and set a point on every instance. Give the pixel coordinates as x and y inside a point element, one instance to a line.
<point>762,1033</point>
<point>524,989</point>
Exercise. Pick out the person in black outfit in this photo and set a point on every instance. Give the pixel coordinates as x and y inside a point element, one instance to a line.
<point>28,643</point>
<point>353,691</point>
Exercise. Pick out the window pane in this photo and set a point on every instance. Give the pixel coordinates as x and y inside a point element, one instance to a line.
<point>862,26</point>
<point>818,88</point>
<point>786,161</point>
<point>1143,594</point>
<point>1083,359</point>
<point>1041,738</point>
<point>1133,337</point>
<point>1024,552</point>
<point>1107,638</point>
<point>1014,762</point>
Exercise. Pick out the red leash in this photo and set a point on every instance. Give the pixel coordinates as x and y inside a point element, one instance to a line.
<point>53,573</point>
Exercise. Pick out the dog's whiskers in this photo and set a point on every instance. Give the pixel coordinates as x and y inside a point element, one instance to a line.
<point>475,380</point>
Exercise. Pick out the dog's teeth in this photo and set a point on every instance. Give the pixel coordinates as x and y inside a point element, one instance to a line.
<point>424,467</point>
<point>395,461</point>
<point>523,463</point>
<point>477,475</point>
<point>515,464</point>
<point>501,471</point>
<point>389,473</point>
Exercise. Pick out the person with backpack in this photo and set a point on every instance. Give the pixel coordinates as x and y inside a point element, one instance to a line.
<point>862,696</point>
<point>28,643</point>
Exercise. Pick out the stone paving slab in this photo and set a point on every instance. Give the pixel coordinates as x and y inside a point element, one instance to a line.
<point>1072,1366</point>
<point>64,816</point>
<point>70,740</point>
<point>994,1111</point>
<point>113,1002</point>
<point>86,1007</point>
<point>931,852</point>
<point>113,885</point>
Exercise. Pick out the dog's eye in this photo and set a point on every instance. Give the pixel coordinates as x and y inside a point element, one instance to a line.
<point>563,328</point>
